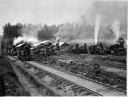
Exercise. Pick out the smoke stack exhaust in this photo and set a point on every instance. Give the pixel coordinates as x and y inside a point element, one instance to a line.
<point>97,27</point>
<point>116,30</point>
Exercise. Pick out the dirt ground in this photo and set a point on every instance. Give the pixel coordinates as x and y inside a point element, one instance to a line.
<point>9,83</point>
<point>112,69</point>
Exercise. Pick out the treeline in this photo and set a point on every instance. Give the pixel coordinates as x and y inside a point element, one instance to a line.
<point>13,31</point>
<point>47,32</point>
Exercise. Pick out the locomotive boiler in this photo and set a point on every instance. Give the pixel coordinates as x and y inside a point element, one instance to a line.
<point>96,49</point>
<point>114,49</point>
<point>118,48</point>
<point>23,51</point>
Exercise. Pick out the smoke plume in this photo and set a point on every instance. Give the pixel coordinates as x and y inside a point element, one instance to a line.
<point>116,29</point>
<point>92,28</point>
<point>66,32</point>
<point>29,34</point>
<point>17,40</point>
<point>114,17</point>
<point>97,28</point>
<point>36,33</point>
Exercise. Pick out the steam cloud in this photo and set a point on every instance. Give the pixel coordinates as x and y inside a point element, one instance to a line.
<point>92,28</point>
<point>17,40</point>
<point>103,21</point>
<point>116,29</point>
<point>35,33</point>
<point>29,34</point>
<point>97,28</point>
<point>67,32</point>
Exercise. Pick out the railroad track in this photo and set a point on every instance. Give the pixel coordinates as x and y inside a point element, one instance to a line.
<point>83,76</point>
<point>120,69</point>
<point>99,89</point>
<point>29,83</point>
<point>58,85</point>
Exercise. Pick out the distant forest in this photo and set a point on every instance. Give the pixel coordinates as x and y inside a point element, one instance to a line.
<point>13,31</point>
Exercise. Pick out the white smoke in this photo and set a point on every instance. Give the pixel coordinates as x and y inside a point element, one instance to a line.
<point>17,40</point>
<point>29,34</point>
<point>95,23</point>
<point>97,27</point>
<point>116,29</point>
<point>66,32</point>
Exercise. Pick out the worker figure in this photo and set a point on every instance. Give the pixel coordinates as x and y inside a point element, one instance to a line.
<point>57,46</point>
<point>47,51</point>
<point>85,48</point>
<point>97,69</point>
<point>76,49</point>
<point>73,67</point>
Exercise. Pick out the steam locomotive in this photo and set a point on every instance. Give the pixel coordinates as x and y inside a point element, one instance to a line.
<point>101,49</point>
<point>45,49</point>
<point>96,49</point>
<point>22,51</point>
<point>78,49</point>
<point>118,48</point>
<point>25,50</point>
<point>115,49</point>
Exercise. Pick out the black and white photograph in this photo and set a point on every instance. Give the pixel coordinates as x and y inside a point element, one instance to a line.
<point>63,48</point>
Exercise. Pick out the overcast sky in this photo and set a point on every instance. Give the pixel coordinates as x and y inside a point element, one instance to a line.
<point>42,11</point>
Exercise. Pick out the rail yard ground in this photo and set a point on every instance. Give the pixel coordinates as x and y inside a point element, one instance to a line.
<point>9,82</point>
<point>112,74</point>
<point>113,68</point>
